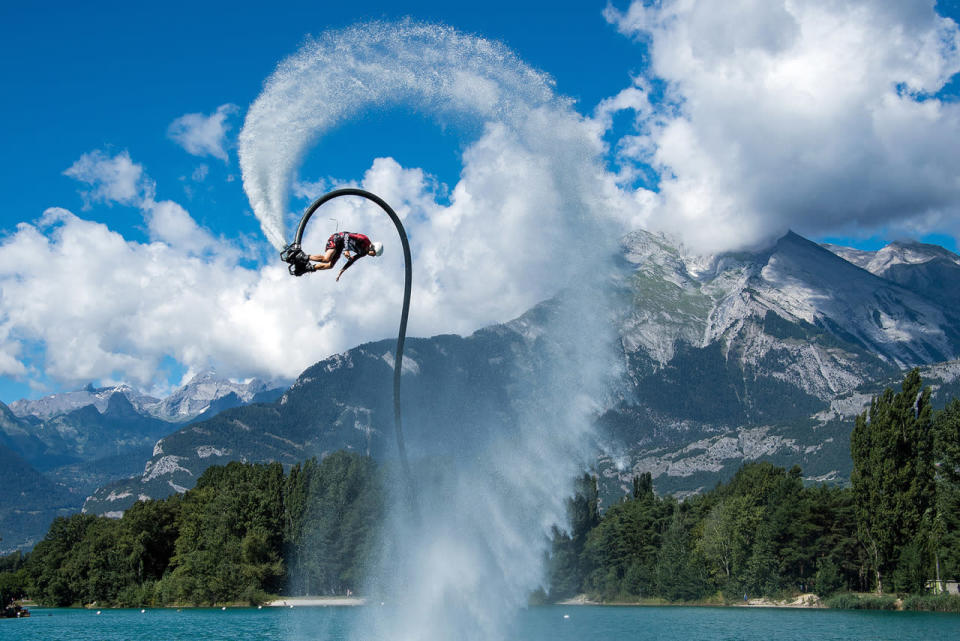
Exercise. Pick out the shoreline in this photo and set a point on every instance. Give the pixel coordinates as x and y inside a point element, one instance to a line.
<point>802,601</point>
<point>314,602</point>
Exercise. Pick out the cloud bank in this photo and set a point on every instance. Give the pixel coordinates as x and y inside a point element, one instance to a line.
<point>820,116</point>
<point>107,309</point>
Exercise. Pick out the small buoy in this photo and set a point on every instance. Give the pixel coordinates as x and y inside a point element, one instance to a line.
<point>224,608</point>
<point>142,611</point>
<point>98,611</point>
<point>291,607</point>
<point>259,607</point>
<point>566,616</point>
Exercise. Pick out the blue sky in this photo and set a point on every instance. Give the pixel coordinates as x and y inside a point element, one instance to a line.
<point>106,80</point>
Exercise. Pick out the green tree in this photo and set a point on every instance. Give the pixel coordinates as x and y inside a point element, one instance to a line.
<point>624,546</point>
<point>676,576</point>
<point>296,498</point>
<point>338,526</point>
<point>562,567</point>
<point>13,586</point>
<point>944,540</point>
<point>727,535</point>
<point>829,514</point>
<point>567,565</point>
<point>893,473</point>
<point>148,531</point>
<point>52,583</point>
<point>230,535</point>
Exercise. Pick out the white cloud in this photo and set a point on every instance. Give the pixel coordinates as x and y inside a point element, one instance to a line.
<point>200,173</point>
<point>105,308</point>
<point>170,223</point>
<point>203,135</point>
<point>797,113</point>
<point>114,179</point>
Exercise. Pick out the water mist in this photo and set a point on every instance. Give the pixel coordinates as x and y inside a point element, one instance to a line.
<point>466,564</point>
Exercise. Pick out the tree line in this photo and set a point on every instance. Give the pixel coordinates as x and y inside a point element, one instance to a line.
<point>246,531</point>
<point>243,532</point>
<point>896,528</point>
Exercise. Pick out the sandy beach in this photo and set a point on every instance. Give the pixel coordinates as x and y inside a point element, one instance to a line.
<point>800,601</point>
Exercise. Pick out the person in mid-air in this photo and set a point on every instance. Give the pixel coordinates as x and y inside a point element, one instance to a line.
<point>352,246</point>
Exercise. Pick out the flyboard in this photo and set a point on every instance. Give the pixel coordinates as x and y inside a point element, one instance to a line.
<point>298,261</point>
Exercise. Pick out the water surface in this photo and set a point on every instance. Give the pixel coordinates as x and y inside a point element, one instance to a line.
<point>554,623</point>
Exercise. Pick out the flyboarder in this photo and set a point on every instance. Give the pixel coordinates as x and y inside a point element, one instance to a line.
<point>352,246</point>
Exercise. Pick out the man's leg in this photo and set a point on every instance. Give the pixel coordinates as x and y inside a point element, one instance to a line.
<point>326,260</point>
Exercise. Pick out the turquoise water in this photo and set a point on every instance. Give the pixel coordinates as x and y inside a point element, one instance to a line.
<point>536,624</point>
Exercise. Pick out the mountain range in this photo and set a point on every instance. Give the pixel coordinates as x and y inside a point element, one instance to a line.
<point>717,360</point>
<point>724,359</point>
<point>58,449</point>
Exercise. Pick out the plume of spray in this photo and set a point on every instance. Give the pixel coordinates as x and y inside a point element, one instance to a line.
<point>341,73</point>
<point>467,564</point>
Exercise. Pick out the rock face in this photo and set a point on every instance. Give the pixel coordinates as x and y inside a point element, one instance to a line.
<point>721,359</point>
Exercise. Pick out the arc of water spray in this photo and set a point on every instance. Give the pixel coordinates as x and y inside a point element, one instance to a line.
<point>402,334</point>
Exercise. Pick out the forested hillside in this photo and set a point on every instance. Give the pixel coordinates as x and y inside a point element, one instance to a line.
<point>765,532</point>
<point>244,531</point>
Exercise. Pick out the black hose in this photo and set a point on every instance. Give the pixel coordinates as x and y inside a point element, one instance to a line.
<point>402,335</point>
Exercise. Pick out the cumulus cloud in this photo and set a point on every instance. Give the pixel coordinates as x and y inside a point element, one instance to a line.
<point>113,179</point>
<point>820,116</point>
<point>170,223</point>
<point>203,135</point>
<point>105,308</point>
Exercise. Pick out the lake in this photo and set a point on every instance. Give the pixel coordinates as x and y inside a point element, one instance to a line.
<point>536,624</point>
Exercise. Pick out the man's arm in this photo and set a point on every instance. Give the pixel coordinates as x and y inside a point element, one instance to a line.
<point>352,260</point>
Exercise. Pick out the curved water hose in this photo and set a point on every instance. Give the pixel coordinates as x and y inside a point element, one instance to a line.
<point>292,257</point>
